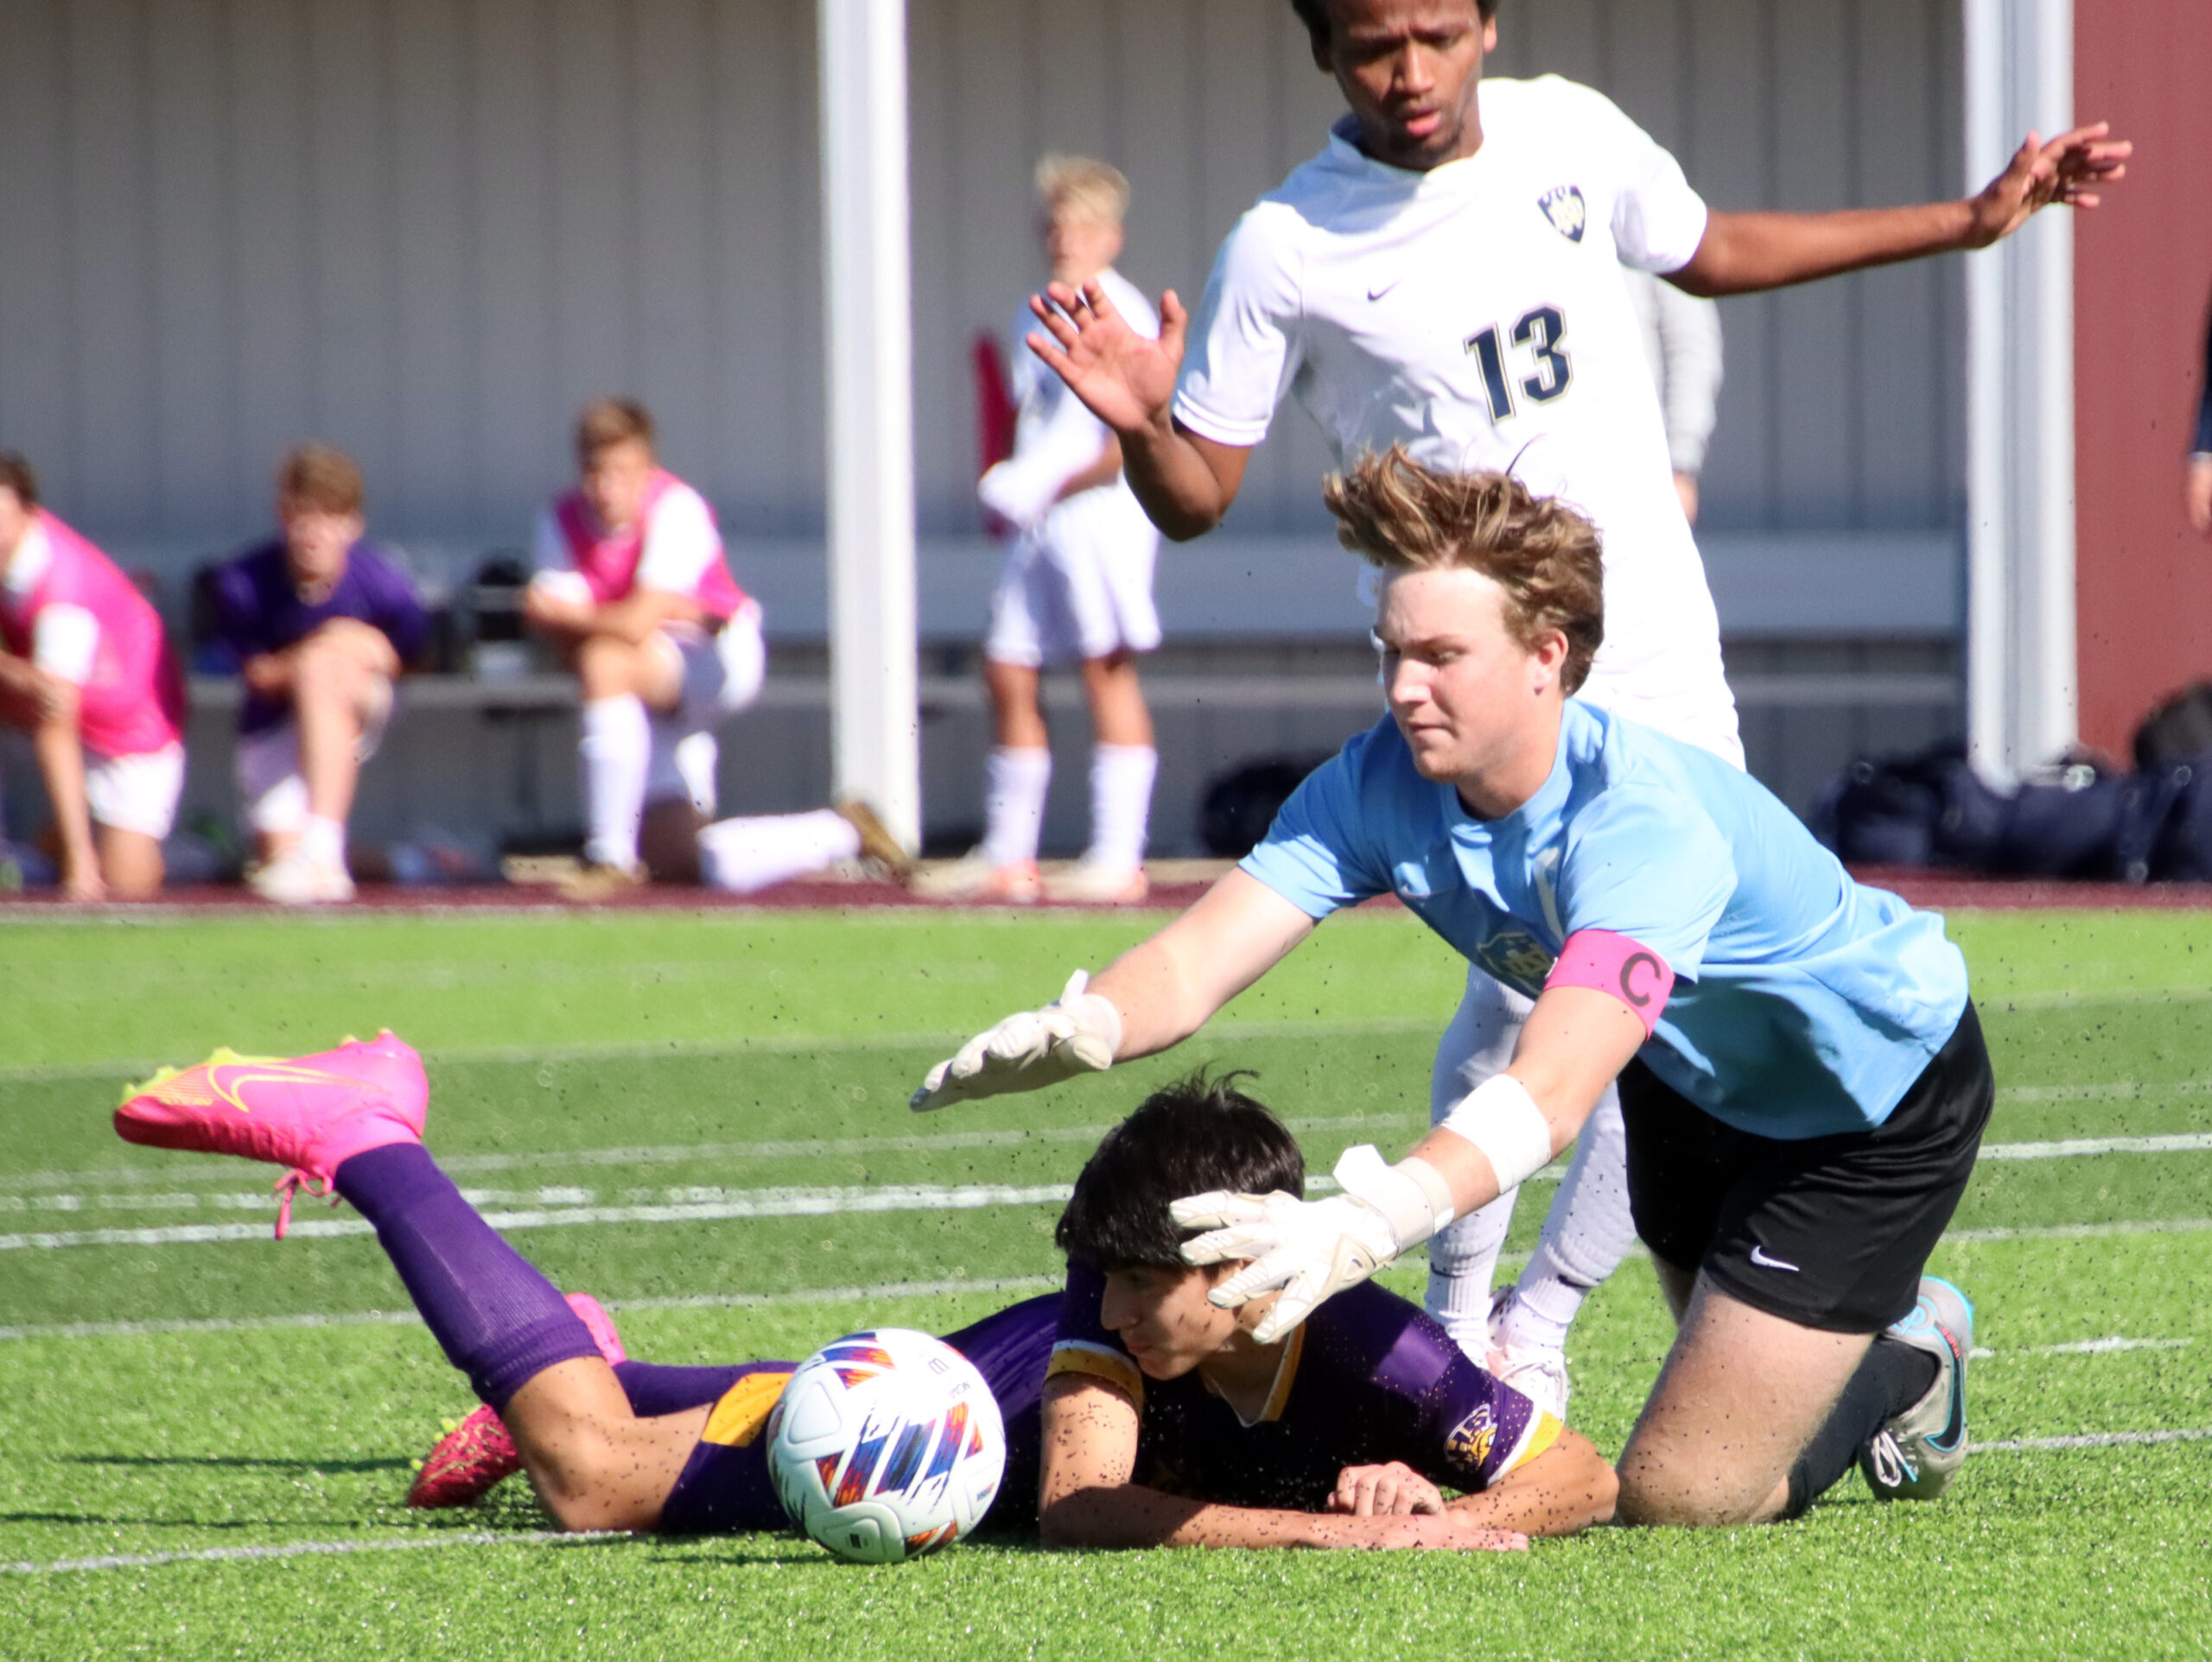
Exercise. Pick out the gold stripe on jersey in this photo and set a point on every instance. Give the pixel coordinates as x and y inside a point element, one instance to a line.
<point>1542,1432</point>
<point>1293,1351</point>
<point>744,1409</point>
<point>1099,1363</point>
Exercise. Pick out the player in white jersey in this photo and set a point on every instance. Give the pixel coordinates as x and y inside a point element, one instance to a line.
<point>1442,275</point>
<point>1077,585</point>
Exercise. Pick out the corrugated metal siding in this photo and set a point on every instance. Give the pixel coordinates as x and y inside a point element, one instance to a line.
<point>426,228</point>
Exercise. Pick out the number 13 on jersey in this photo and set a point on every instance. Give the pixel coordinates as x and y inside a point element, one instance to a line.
<point>1540,331</point>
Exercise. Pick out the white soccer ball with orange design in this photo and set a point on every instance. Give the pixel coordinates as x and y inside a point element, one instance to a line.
<point>886,1445</point>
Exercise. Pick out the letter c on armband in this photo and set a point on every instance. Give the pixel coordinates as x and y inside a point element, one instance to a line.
<point>1618,966</point>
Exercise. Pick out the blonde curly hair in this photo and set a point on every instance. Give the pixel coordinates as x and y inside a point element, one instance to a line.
<point>1399,516</point>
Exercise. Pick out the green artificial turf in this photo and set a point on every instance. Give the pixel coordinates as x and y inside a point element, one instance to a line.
<point>637,1061</point>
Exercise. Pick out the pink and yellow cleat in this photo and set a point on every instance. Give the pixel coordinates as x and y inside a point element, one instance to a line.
<point>478,1454</point>
<point>310,1113</point>
<point>472,1459</point>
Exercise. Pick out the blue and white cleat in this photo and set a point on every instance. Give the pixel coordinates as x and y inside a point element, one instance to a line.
<point>1914,1455</point>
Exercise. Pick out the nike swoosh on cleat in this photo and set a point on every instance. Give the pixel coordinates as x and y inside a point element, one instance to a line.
<point>1759,1257</point>
<point>227,1082</point>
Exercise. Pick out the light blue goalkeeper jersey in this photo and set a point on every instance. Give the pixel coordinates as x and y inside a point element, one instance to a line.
<point>1804,1003</point>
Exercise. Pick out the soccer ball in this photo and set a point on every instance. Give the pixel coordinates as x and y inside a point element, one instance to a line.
<point>886,1445</point>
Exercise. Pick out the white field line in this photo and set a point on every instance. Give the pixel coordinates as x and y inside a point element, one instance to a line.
<point>549,1537</point>
<point>313,1549</point>
<point>884,1292</point>
<point>687,1153</point>
<point>2077,1231</point>
<point>824,1148</point>
<point>569,1208</point>
<point>118,1072</point>
<point>2087,1440</point>
<point>2085,1348</point>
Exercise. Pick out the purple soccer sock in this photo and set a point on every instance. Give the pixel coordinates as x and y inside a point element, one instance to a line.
<point>500,1320</point>
<point>654,1389</point>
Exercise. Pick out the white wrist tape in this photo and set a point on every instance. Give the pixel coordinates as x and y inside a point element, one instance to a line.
<point>1500,1118</point>
<point>1412,1195</point>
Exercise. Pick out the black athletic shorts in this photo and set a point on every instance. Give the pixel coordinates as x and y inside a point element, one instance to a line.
<point>1830,1233</point>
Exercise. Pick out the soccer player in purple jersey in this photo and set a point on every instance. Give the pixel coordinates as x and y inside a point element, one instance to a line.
<point>1362,1414</point>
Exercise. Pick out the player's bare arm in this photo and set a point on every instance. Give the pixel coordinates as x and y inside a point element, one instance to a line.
<point>1575,1042</point>
<point>61,765</point>
<point>1151,998</point>
<point>1743,253</point>
<point>1565,1488</point>
<point>1087,1499</point>
<point>1502,1133</point>
<point>1127,380</point>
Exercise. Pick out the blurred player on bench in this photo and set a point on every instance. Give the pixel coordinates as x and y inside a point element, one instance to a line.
<point>1444,274</point>
<point>85,670</point>
<point>1139,1413</point>
<point>632,586</point>
<point>321,621</point>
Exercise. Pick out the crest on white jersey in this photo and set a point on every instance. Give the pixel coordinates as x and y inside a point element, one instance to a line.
<point>1564,206</point>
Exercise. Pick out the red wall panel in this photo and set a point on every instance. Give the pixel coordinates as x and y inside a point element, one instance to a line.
<point>2142,283</point>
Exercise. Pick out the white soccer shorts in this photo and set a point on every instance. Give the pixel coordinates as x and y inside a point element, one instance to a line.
<point>1079,585</point>
<point>722,675</point>
<point>136,793</point>
<point>268,768</point>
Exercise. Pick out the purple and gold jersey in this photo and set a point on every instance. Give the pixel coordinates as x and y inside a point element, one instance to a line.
<point>725,1488</point>
<point>1367,1379</point>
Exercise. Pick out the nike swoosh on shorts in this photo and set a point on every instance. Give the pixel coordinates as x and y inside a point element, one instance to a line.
<point>1759,1257</point>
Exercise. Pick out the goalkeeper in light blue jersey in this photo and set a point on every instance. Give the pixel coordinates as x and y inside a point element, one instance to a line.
<point>1802,1079</point>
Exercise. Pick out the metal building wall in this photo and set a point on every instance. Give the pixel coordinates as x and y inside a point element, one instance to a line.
<point>426,229</point>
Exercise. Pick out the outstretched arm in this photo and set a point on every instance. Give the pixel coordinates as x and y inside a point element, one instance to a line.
<point>1575,1040</point>
<point>1155,995</point>
<point>1743,253</point>
<point>1127,380</point>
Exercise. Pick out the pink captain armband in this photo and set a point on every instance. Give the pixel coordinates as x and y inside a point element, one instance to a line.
<point>1614,964</point>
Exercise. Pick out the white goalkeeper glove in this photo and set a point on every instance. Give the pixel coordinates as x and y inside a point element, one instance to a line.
<point>1312,1250</point>
<point>1077,1033</point>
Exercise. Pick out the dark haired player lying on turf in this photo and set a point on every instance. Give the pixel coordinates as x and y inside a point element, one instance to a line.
<point>1139,1413</point>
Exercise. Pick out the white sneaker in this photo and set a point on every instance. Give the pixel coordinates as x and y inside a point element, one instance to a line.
<point>1538,1373</point>
<point>1089,883</point>
<point>974,878</point>
<point>296,877</point>
<point>1915,1456</point>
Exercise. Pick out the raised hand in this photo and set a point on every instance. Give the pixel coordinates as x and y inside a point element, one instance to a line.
<point>2067,171</point>
<point>1126,378</point>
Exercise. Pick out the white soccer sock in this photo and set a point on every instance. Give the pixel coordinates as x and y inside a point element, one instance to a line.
<point>323,838</point>
<point>1014,803</point>
<point>616,749</point>
<point>1462,1258</point>
<point>1587,1233</point>
<point>746,854</point>
<point>1120,804</point>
